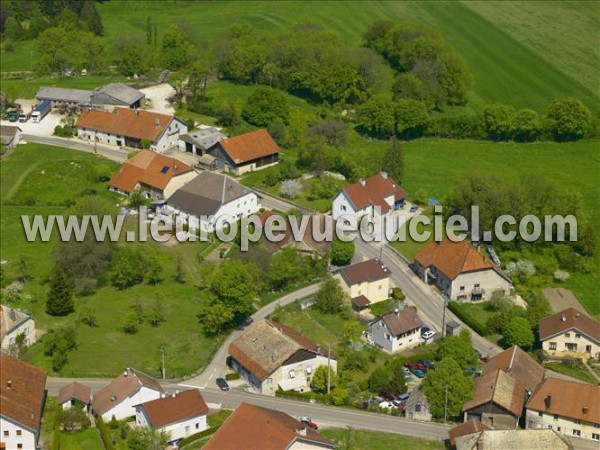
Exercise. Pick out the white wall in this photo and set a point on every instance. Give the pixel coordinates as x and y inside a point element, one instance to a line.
<point>27,438</point>
<point>562,340</point>
<point>178,182</point>
<point>126,407</point>
<point>170,137</point>
<point>177,430</point>
<point>489,280</point>
<point>563,425</point>
<point>382,337</point>
<point>27,328</point>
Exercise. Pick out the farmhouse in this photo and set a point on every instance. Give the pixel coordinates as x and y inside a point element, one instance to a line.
<point>10,135</point>
<point>365,282</point>
<point>568,407</point>
<point>396,331</point>
<point>154,175</point>
<point>22,398</point>
<point>117,94</point>
<point>211,201</point>
<point>570,333</point>
<point>64,97</point>
<point>378,195</point>
<point>271,356</point>
<point>460,271</point>
<point>255,427</point>
<point>505,385</point>
<point>514,439</point>
<point>119,398</point>
<point>179,414</point>
<point>73,394</point>
<point>199,141</point>
<point>124,127</point>
<point>250,151</point>
<point>14,322</point>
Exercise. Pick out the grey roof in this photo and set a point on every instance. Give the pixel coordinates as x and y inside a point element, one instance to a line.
<point>205,194</point>
<point>513,439</point>
<point>400,322</point>
<point>121,92</point>
<point>64,95</point>
<point>8,133</point>
<point>416,396</point>
<point>204,138</point>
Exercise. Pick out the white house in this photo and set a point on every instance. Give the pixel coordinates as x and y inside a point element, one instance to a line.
<point>570,333</point>
<point>211,201</point>
<point>567,407</point>
<point>75,393</point>
<point>10,135</point>
<point>365,282</point>
<point>156,176</point>
<point>180,414</point>
<point>119,398</point>
<point>377,195</point>
<point>124,127</point>
<point>460,271</point>
<point>22,398</point>
<point>272,356</point>
<point>396,331</point>
<point>14,322</point>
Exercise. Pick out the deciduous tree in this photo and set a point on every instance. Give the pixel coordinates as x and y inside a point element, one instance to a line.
<point>568,119</point>
<point>342,252</point>
<point>266,106</point>
<point>518,332</point>
<point>330,298</point>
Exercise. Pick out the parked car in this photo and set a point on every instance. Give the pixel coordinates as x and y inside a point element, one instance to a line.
<point>408,378</point>
<point>427,333</point>
<point>386,405</point>
<point>388,395</point>
<point>406,371</point>
<point>223,385</point>
<point>414,208</point>
<point>402,398</point>
<point>419,373</point>
<point>428,364</point>
<point>415,366</point>
<point>309,423</point>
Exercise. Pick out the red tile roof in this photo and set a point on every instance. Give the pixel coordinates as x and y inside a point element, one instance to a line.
<point>134,123</point>
<point>500,388</point>
<point>175,408</point>
<point>452,258</point>
<point>469,427</point>
<point>404,320</point>
<point>249,146</point>
<point>516,362</point>
<point>566,320</point>
<point>567,399</point>
<point>307,241</point>
<point>373,191</point>
<point>75,391</point>
<point>255,428</point>
<point>148,167</point>
<point>365,272</point>
<point>22,392</point>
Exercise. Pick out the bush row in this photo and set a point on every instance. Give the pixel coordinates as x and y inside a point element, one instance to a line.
<point>196,436</point>
<point>104,434</point>
<point>464,315</point>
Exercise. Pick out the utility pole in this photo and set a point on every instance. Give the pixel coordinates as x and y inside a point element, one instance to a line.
<point>445,403</point>
<point>328,368</point>
<point>162,350</point>
<point>444,320</point>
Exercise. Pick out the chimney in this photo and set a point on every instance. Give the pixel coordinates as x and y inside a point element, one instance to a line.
<point>397,312</point>
<point>563,318</point>
<point>362,182</point>
<point>548,401</point>
<point>9,384</point>
<point>577,315</point>
<point>126,372</point>
<point>156,122</point>
<point>383,175</point>
<point>137,113</point>
<point>585,410</point>
<point>301,431</point>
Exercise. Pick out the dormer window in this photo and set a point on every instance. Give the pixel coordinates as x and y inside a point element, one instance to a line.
<point>292,374</point>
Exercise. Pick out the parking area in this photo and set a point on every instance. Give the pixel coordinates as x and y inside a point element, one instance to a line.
<point>158,96</point>
<point>43,128</point>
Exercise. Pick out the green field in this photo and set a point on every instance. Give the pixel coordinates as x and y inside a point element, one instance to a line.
<point>27,88</point>
<point>352,439</point>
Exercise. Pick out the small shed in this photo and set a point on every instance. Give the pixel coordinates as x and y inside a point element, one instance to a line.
<point>75,393</point>
<point>452,328</point>
<point>417,406</point>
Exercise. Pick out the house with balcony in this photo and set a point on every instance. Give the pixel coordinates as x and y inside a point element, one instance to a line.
<point>272,356</point>
<point>570,334</point>
<point>396,331</point>
<point>460,271</point>
<point>568,407</point>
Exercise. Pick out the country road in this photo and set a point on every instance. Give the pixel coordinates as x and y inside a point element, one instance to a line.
<point>107,151</point>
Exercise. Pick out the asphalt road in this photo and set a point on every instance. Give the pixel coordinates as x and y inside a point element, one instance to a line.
<point>75,144</point>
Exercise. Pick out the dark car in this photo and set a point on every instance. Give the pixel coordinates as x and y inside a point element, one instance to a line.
<point>428,364</point>
<point>388,395</point>
<point>222,384</point>
<point>419,373</point>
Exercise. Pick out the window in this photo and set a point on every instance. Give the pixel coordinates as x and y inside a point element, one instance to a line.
<point>577,433</point>
<point>558,429</point>
<point>567,334</point>
<point>552,345</point>
<point>26,331</point>
<point>19,432</point>
<point>549,427</point>
<point>380,287</point>
<point>555,416</point>
<point>597,425</point>
<point>477,285</point>
<point>343,208</point>
<point>197,426</point>
<point>540,414</point>
<point>462,288</point>
<point>595,437</point>
<point>588,348</point>
<point>5,432</point>
<point>418,407</point>
<point>19,445</point>
<point>577,421</point>
<point>292,374</point>
<point>187,429</point>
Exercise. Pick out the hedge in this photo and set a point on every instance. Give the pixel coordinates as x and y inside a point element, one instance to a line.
<point>56,437</point>
<point>232,376</point>
<point>194,437</point>
<point>468,318</point>
<point>104,434</point>
<point>306,396</point>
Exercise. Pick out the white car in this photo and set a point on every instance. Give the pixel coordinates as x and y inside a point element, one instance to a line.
<point>386,405</point>
<point>428,334</point>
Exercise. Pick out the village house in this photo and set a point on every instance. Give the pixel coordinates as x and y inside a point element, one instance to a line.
<point>22,398</point>
<point>156,176</point>
<point>14,322</point>
<point>10,136</point>
<point>134,128</point>
<point>417,406</point>
<point>567,407</point>
<point>469,427</point>
<point>253,427</point>
<point>197,142</point>
<point>514,439</point>
<point>180,414</point>
<point>211,201</point>
<point>120,396</point>
<point>247,152</point>
<point>570,334</point>
<point>506,383</point>
<point>396,331</point>
<point>117,94</point>
<point>74,394</point>
<point>378,195</point>
<point>366,282</point>
<point>460,271</point>
<point>272,356</point>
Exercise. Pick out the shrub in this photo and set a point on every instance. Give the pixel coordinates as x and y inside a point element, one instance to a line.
<point>232,376</point>
<point>195,437</point>
<point>104,433</point>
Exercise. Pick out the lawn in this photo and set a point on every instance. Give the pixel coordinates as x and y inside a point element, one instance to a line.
<point>27,88</point>
<point>353,439</point>
<point>575,371</point>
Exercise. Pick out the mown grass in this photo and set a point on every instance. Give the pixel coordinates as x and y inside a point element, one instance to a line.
<point>578,371</point>
<point>27,88</point>
<point>351,439</point>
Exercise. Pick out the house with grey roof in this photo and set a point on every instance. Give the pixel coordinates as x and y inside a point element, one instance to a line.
<point>15,322</point>
<point>10,135</point>
<point>417,406</point>
<point>396,331</point>
<point>199,141</point>
<point>118,94</point>
<point>210,202</point>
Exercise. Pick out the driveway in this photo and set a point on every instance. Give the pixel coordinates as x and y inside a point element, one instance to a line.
<point>158,96</point>
<point>44,128</point>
